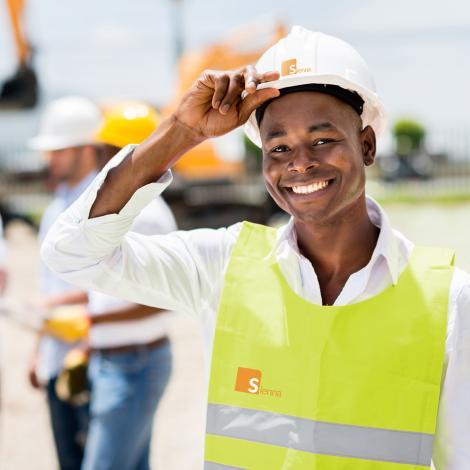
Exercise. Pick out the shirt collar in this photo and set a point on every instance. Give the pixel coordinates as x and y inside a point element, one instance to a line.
<point>386,247</point>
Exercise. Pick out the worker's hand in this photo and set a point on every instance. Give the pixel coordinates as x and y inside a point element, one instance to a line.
<point>32,376</point>
<point>220,101</point>
<point>3,280</point>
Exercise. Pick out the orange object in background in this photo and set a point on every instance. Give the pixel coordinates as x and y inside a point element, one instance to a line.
<point>15,10</point>
<point>203,162</point>
<point>243,46</point>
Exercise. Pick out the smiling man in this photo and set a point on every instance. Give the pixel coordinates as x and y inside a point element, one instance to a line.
<point>334,342</point>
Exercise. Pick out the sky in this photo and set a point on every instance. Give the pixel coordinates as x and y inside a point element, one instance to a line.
<point>418,50</point>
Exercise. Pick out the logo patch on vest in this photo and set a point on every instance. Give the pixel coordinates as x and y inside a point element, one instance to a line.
<point>249,381</point>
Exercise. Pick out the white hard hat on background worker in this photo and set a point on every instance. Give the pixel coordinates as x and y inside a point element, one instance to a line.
<point>67,122</point>
<point>304,58</point>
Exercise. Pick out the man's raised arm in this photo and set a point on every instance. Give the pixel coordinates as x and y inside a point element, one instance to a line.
<point>91,246</point>
<point>212,107</point>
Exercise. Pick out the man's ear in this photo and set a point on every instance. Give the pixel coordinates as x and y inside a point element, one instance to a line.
<point>368,143</point>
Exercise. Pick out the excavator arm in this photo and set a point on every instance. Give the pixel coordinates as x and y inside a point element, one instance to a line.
<point>21,89</point>
<point>15,10</point>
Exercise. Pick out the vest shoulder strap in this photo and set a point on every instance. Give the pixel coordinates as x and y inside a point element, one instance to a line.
<point>432,257</point>
<point>255,241</point>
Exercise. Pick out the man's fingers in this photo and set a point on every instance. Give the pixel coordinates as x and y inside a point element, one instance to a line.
<point>253,78</point>
<point>269,76</point>
<point>230,87</point>
<point>221,84</point>
<point>234,90</point>
<point>252,101</point>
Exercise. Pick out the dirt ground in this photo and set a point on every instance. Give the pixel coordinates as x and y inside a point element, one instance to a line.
<point>25,438</point>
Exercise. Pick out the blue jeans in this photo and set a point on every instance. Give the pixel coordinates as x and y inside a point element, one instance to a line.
<point>125,390</point>
<point>69,426</point>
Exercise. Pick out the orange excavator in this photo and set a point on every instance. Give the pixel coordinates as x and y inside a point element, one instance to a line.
<point>21,89</point>
<point>242,46</point>
<point>215,184</point>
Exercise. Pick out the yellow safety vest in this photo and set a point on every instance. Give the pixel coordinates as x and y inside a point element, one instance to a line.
<point>296,385</point>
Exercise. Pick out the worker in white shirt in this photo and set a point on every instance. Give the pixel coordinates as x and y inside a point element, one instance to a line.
<point>66,141</point>
<point>130,354</point>
<point>334,341</point>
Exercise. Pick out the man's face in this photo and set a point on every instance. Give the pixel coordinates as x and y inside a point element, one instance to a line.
<point>63,164</point>
<point>314,153</point>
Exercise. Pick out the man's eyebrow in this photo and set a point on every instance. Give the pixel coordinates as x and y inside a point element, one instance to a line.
<point>279,132</point>
<point>321,127</point>
<point>272,134</point>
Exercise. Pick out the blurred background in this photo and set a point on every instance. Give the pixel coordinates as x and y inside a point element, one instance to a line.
<point>152,50</point>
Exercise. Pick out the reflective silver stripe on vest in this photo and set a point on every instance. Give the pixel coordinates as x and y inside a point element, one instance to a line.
<point>218,466</point>
<point>319,437</point>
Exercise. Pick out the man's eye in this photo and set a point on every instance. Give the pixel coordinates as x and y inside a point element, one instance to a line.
<point>280,149</point>
<point>322,141</point>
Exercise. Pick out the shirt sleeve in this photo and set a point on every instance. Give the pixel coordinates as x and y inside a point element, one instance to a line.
<point>178,271</point>
<point>451,449</point>
<point>155,219</point>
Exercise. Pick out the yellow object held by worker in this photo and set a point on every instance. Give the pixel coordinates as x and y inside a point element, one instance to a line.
<point>68,323</point>
<point>72,383</point>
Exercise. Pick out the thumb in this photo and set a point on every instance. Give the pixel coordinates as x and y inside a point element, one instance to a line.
<point>256,99</point>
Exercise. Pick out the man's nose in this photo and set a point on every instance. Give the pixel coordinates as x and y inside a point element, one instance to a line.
<point>303,160</point>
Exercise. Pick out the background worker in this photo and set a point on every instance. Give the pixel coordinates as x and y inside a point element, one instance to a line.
<point>66,140</point>
<point>130,354</point>
<point>359,335</point>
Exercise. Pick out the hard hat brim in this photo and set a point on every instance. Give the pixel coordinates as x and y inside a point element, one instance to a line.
<point>374,111</point>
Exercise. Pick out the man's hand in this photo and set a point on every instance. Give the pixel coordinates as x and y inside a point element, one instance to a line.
<point>3,280</point>
<point>32,376</point>
<point>216,103</point>
<point>220,101</point>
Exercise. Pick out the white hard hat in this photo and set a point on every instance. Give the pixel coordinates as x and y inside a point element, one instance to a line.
<point>306,57</point>
<point>67,122</point>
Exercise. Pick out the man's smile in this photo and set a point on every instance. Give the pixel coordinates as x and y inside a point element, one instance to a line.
<point>310,187</point>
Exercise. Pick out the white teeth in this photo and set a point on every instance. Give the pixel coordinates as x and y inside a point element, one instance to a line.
<point>311,188</point>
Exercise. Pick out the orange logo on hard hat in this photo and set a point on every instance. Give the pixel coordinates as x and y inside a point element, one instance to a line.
<point>289,67</point>
<point>249,381</point>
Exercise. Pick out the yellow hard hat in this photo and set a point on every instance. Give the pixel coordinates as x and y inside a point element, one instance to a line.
<point>129,122</point>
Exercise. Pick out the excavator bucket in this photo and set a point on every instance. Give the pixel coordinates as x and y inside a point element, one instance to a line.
<point>20,90</point>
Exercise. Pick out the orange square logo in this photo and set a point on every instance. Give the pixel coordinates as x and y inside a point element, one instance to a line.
<point>248,380</point>
<point>289,67</point>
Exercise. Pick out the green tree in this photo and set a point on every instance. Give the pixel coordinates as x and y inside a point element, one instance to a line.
<point>409,136</point>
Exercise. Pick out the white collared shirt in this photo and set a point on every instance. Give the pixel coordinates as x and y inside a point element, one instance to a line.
<point>184,271</point>
<point>156,217</point>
